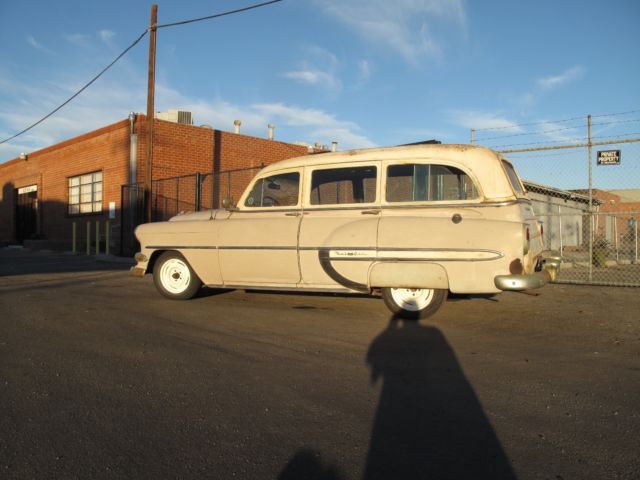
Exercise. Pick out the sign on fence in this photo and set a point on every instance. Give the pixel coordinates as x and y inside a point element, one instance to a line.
<point>608,157</point>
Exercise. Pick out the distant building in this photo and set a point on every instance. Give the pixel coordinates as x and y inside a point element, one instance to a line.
<point>80,180</point>
<point>562,213</point>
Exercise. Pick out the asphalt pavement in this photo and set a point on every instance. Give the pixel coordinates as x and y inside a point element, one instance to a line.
<point>101,377</point>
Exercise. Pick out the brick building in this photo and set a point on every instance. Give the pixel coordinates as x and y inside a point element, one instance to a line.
<point>80,180</point>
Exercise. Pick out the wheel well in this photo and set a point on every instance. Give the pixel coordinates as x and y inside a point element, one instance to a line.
<point>154,259</point>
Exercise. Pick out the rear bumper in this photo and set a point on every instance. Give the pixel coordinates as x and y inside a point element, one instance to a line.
<point>549,267</point>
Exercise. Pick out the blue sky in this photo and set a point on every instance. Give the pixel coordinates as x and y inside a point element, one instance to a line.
<point>360,72</point>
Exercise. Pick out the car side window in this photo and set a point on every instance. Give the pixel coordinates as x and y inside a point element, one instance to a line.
<point>428,182</point>
<point>275,191</point>
<point>335,186</point>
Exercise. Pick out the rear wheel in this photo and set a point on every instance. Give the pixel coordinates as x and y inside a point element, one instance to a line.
<point>414,303</point>
<point>174,278</point>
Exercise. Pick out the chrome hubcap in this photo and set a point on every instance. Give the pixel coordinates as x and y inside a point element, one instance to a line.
<point>412,299</point>
<point>175,276</point>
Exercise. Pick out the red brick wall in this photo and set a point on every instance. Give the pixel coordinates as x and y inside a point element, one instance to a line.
<point>185,149</point>
<point>106,149</point>
<point>178,150</point>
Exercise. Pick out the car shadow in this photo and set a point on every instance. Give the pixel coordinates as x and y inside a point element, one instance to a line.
<point>429,423</point>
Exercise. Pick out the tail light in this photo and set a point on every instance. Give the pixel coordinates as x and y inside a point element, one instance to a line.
<point>527,238</point>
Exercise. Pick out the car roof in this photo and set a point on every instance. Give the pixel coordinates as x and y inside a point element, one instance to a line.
<point>454,151</point>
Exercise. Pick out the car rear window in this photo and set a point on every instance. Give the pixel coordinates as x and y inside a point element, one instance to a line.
<point>513,178</point>
<point>428,182</point>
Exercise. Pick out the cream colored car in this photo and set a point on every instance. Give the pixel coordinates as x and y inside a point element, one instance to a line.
<point>412,223</point>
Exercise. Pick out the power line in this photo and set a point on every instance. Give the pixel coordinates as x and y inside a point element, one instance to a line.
<point>218,15</point>
<point>124,52</point>
<point>135,42</point>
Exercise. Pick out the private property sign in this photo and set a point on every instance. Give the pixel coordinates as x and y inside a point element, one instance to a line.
<point>608,157</point>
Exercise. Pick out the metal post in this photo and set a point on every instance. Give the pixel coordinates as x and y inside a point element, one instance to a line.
<point>88,238</point>
<point>150,105</point>
<point>107,234</point>
<point>591,233</point>
<point>636,223</point>
<point>560,229</point>
<point>473,136</point>
<point>97,237</point>
<point>73,237</point>
<point>615,236</point>
<point>198,192</point>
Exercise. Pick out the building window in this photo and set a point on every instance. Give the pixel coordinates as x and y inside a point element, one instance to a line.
<point>85,193</point>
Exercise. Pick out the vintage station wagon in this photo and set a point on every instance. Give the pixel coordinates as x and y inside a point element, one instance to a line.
<point>411,223</point>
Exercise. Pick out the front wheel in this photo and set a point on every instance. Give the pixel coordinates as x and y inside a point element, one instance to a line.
<point>414,303</point>
<point>174,278</point>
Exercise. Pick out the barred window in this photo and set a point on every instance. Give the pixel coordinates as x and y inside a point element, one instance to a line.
<point>85,193</point>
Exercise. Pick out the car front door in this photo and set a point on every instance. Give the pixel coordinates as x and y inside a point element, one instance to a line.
<point>258,242</point>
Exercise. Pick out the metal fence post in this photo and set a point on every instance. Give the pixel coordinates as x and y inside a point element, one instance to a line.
<point>73,237</point>
<point>198,191</point>
<point>591,232</point>
<point>107,234</point>
<point>88,238</point>
<point>97,237</point>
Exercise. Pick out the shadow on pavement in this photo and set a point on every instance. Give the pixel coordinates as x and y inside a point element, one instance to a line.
<point>308,465</point>
<point>429,423</point>
<point>28,262</point>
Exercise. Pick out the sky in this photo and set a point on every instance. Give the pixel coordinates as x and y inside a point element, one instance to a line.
<point>360,72</point>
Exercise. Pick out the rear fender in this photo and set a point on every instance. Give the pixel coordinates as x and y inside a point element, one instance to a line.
<point>408,275</point>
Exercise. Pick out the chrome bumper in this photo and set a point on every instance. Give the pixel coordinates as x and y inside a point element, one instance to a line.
<point>547,274</point>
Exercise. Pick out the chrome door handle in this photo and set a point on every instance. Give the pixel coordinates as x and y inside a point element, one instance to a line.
<point>370,212</point>
<point>292,214</point>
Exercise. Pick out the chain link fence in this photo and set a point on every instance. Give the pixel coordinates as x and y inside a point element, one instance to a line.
<point>583,176</point>
<point>199,191</point>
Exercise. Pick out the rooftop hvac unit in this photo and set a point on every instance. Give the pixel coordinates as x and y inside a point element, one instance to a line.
<point>176,116</point>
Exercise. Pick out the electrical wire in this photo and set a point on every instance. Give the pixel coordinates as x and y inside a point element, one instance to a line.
<point>218,15</point>
<point>135,42</point>
<point>124,52</point>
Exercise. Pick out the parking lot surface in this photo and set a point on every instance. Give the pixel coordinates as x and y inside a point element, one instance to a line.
<point>100,377</point>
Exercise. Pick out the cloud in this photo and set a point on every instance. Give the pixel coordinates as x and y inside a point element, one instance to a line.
<point>364,68</point>
<point>37,45</point>
<point>555,81</point>
<point>107,102</point>
<point>482,120</point>
<point>316,78</point>
<point>318,69</point>
<point>78,39</point>
<point>106,35</point>
<point>403,26</point>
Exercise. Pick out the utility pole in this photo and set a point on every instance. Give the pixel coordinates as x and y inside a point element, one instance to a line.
<point>150,109</point>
